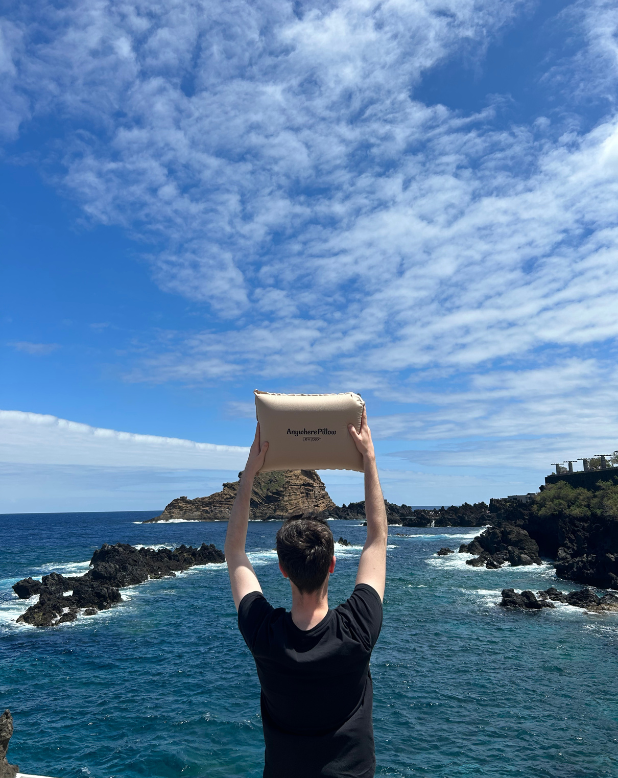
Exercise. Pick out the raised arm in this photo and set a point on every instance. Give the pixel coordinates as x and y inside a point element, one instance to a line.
<point>243,579</point>
<point>372,565</point>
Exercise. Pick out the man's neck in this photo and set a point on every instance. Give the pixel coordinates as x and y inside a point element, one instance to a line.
<point>309,609</point>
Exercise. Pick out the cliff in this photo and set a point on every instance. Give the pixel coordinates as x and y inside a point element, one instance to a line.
<point>276,495</point>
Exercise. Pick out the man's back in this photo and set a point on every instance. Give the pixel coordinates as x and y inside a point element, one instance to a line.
<point>316,687</point>
<point>313,663</point>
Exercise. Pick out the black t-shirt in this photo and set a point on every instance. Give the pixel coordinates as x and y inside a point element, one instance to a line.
<point>317,694</point>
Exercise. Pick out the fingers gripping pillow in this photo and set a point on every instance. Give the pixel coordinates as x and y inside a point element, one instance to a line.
<point>309,431</point>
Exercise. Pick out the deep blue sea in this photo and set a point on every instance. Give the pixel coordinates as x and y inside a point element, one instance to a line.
<point>163,685</point>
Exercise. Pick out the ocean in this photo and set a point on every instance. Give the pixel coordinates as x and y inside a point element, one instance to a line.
<point>163,685</point>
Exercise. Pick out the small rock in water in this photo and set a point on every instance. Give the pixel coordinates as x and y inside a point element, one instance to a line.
<point>445,551</point>
<point>343,542</point>
<point>526,600</point>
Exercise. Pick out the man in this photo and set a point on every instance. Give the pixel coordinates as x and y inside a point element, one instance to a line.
<point>313,663</point>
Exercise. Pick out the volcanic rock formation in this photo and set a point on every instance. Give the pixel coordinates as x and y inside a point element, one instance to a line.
<point>61,598</point>
<point>575,527</point>
<point>497,545</point>
<point>276,495</point>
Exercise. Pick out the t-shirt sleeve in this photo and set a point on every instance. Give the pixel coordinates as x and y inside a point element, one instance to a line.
<point>365,608</point>
<point>253,610</point>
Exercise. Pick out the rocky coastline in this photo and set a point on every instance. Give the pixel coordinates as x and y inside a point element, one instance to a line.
<point>277,496</point>
<point>465,515</point>
<point>577,529</point>
<point>112,567</point>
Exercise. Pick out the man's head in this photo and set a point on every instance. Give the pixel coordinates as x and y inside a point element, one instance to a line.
<point>305,548</point>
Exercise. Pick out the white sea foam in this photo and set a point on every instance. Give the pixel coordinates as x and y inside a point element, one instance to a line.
<point>454,561</point>
<point>156,546</point>
<point>458,561</point>
<point>64,568</point>
<point>260,558</point>
<point>453,536</point>
<point>11,610</point>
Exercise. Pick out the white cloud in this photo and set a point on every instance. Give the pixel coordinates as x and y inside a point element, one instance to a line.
<point>36,439</point>
<point>36,349</point>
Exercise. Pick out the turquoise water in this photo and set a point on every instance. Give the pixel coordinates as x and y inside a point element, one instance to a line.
<point>163,685</point>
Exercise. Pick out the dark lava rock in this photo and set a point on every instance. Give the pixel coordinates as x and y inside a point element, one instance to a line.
<point>465,515</point>
<point>497,545</point>
<point>344,542</point>
<point>584,598</point>
<point>478,561</point>
<point>6,731</point>
<point>445,551</point>
<point>526,600</point>
<point>583,540</point>
<point>26,588</point>
<point>553,594</point>
<point>474,547</point>
<point>111,568</point>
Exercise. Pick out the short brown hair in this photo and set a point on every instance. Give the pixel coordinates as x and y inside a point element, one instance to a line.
<point>305,548</point>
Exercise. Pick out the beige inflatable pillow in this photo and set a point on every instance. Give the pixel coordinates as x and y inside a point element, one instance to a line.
<point>309,431</point>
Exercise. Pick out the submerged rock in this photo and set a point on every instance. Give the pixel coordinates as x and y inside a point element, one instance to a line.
<point>445,551</point>
<point>344,542</point>
<point>61,598</point>
<point>6,731</point>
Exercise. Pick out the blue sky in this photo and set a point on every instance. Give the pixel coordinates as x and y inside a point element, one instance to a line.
<point>413,200</point>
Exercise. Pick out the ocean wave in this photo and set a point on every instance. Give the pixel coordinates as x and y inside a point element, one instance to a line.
<point>64,568</point>
<point>156,546</point>
<point>458,561</point>
<point>439,536</point>
<point>260,558</point>
<point>12,608</point>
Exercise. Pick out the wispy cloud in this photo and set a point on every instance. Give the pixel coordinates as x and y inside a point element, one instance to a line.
<point>36,349</point>
<point>32,438</point>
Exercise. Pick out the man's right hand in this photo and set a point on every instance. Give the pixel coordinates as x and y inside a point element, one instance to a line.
<point>257,453</point>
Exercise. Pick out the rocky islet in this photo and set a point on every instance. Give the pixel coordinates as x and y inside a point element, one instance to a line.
<point>276,496</point>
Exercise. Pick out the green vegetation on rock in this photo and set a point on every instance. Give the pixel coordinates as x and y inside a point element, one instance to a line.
<point>562,499</point>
